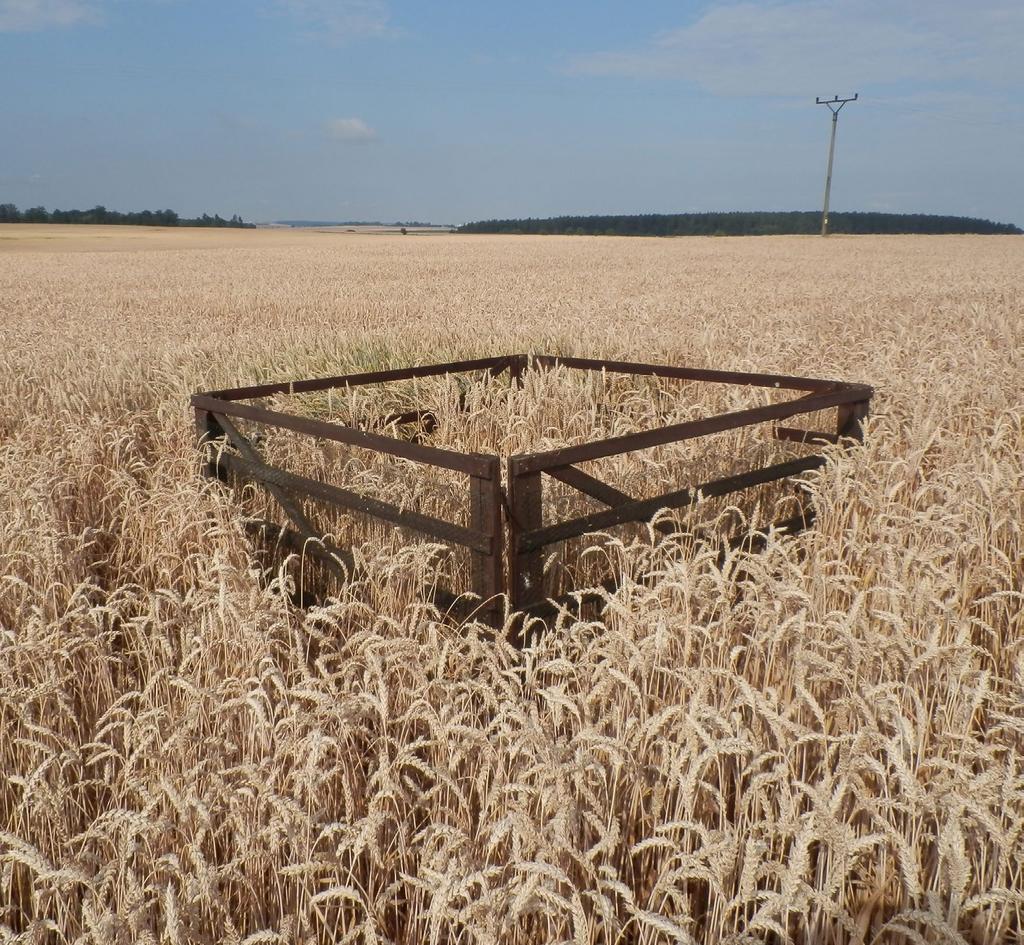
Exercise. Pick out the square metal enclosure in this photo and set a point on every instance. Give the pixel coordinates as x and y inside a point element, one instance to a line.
<point>506,535</point>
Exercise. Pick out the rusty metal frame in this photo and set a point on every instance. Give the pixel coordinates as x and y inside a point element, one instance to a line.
<point>510,567</point>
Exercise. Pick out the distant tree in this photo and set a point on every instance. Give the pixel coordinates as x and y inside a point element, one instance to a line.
<point>9,213</point>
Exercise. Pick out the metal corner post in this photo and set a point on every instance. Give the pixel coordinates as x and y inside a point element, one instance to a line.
<point>526,566</point>
<point>851,417</point>
<point>208,433</point>
<point>487,569</point>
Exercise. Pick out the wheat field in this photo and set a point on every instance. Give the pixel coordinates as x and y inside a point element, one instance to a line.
<point>819,743</point>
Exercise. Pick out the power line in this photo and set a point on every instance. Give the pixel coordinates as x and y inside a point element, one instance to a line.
<point>835,105</point>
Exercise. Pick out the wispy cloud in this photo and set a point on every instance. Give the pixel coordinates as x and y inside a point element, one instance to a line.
<point>349,129</point>
<point>28,15</point>
<point>338,21</point>
<point>813,46</point>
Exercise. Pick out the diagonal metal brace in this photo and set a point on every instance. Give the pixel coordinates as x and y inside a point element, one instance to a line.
<point>602,491</point>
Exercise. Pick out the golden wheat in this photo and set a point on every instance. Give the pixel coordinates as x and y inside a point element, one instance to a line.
<point>821,743</point>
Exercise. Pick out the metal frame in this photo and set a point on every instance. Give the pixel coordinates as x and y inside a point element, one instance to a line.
<point>511,567</point>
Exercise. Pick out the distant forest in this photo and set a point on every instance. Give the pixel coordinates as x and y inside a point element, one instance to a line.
<point>739,223</point>
<point>11,214</point>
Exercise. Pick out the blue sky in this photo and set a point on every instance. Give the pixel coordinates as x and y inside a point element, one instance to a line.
<point>446,111</point>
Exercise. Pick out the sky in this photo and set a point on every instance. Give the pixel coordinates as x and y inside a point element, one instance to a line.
<point>454,111</point>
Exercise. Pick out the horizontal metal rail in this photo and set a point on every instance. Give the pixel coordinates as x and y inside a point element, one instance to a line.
<point>612,446</point>
<point>325,492</point>
<point>755,541</point>
<point>641,510</point>
<point>475,464</point>
<point>360,380</point>
<point>689,374</point>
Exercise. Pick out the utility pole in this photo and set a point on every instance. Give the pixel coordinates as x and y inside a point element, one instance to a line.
<point>835,105</point>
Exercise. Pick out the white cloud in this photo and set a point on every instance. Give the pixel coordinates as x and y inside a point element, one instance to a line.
<point>333,20</point>
<point>340,20</point>
<point>25,15</point>
<point>349,129</point>
<point>808,47</point>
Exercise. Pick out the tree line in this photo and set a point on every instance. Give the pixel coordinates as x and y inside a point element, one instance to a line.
<point>9,213</point>
<point>741,223</point>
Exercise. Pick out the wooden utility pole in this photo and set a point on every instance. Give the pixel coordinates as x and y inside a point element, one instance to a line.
<point>835,105</point>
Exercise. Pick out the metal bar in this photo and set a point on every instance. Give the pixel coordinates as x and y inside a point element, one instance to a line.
<point>805,436</point>
<point>486,568</point>
<point>335,495</point>
<point>753,542</point>
<point>355,380</point>
<point>691,374</point>
<point>292,509</point>
<point>596,489</point>
<point>477,464</point>
<point>642,509</point>
<point>588,485</point>
<point>570,455</point>
<point>517,366</point>
<point>526,565</point>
